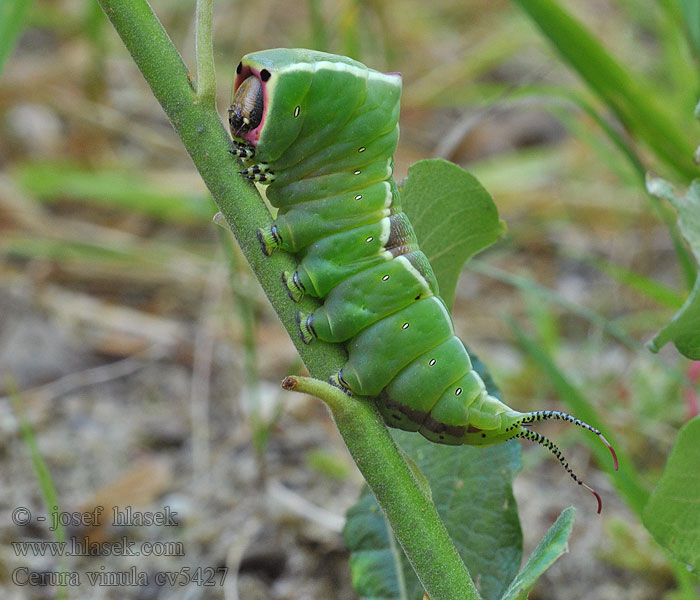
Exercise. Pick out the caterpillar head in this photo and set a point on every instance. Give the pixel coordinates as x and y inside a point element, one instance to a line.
<point>246,111</point>
<point>268,91</point>
<point>287,101</point>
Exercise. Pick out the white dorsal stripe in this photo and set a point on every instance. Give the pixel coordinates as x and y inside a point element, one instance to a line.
<point>406,264</point>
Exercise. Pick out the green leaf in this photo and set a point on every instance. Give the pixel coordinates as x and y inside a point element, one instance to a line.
<point>684,329</point>
<point>472,491</point>
<point>672,514</point>
<point>550,548</point>
<point>373,563</point>
<point>453,215</point>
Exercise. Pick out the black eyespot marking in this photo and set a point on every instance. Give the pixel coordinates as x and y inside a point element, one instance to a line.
<point>432,362</point>
<point>362,149</point>
<point>358,197</point>
<point>483,435</point>
<point>265,74</point>
<point>239,68</point>
<point>385,277</point>
<point>297,110</point>
<point>404,326</point>
<point>417,297</point>
<point>458,391</point>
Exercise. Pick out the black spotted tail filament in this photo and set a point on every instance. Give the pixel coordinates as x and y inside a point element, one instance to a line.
<point>538,438</point>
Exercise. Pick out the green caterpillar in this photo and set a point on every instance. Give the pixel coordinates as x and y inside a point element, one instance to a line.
<point>322,130</point>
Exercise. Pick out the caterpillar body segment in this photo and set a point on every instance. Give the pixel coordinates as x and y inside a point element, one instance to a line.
<point>298,226</point>
<point>362,300</point>
<point>322,130</point>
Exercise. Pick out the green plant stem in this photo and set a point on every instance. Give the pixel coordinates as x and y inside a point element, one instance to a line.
<point>206,77</point>
<point>207,143</point>
<point>436,562</point>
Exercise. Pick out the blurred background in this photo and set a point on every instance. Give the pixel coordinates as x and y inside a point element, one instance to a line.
<point>147,362</point>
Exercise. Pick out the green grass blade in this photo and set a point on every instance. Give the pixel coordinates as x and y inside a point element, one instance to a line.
<point>130,191</point>
<point>612,328</point>
<point>43,475</point>
<point>560,102</point>
<point>548,295</point>
<point>678,52</point>
<point>557,98</point>
<point>41,470</point>
<point>551,547</point>
<point>654,290</point>
<point>634,104</point>
<point>13,14</point>
<point>691,15</point>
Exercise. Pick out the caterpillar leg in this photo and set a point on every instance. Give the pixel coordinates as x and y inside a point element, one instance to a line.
<point>259,172</point>
<point>269,238</point>
<point>338,381</point>
<point>242,150</point>
<point>292,283</point>
<point>305,322</point>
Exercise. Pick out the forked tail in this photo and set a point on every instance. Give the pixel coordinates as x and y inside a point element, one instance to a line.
<point>546,415</point>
